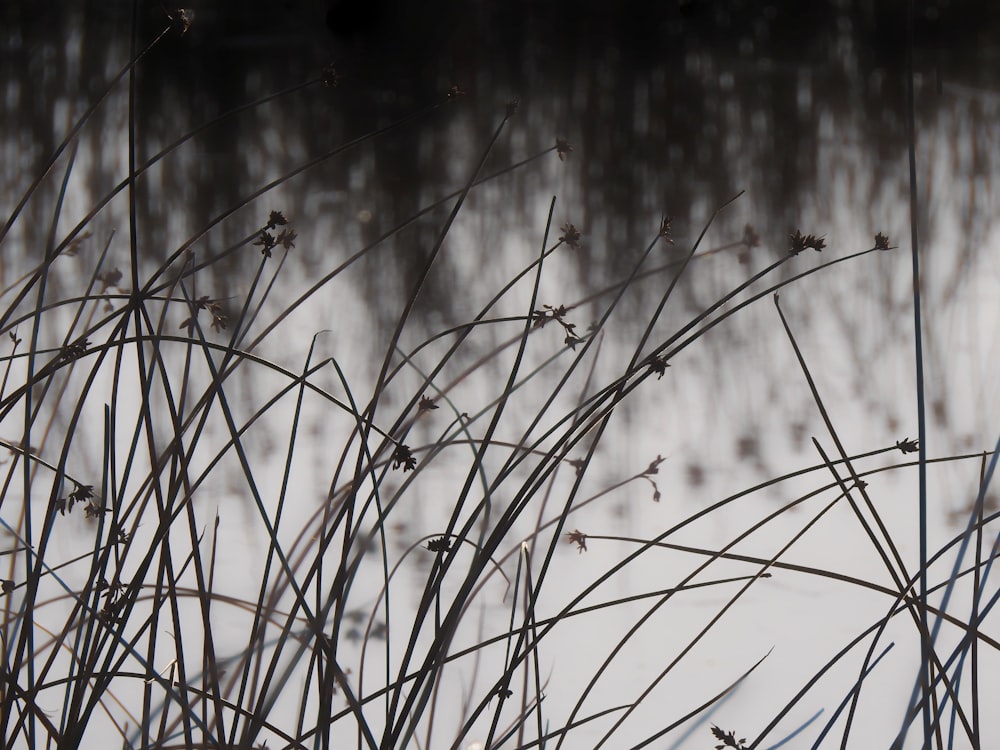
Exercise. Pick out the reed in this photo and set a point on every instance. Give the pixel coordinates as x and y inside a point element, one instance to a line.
<point>212,541</point>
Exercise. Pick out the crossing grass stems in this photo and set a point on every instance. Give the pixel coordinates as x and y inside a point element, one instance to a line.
<point>122,403</point>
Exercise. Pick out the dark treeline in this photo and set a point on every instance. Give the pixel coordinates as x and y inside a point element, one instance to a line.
<point>666,104</point>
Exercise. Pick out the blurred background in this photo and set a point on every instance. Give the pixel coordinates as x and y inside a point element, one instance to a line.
<point>670,108</point>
